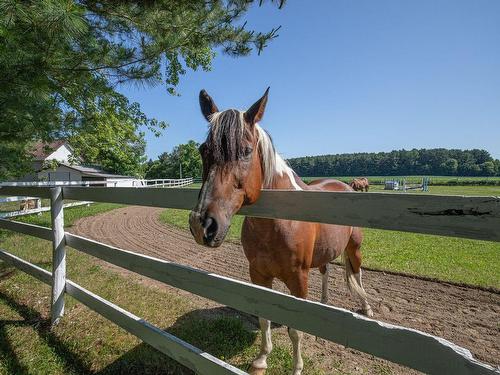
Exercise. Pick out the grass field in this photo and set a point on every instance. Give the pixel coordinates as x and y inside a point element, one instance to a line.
<point>434,180</point>
<point>483,190</point>
<point>448,190</point>
<point>85,342</point>
<point>445,258</point>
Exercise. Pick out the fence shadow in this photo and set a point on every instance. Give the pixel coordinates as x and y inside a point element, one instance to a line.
<point>31,317</point>
<point>221,331</point>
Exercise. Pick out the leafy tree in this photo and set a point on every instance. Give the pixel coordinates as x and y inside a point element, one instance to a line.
<point>449,167</point>
<point>116,142</point>
<point>61,60</point>
<point>488,168</point>
<point>184,157</point>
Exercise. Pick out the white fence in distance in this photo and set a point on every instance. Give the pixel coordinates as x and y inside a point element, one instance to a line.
<point>157,183</point>
<point>401,345</point>
<point>168,182</point>
<point>123,182</point>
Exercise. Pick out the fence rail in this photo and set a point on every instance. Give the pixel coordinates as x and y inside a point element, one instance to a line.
<point>401,345</point>
<point>457,216</point>
<point>158,183</point>
<point>122,182</point>
<point>168,182</point>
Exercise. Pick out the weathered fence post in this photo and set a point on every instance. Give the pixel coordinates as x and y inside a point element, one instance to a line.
<point>58,254</point>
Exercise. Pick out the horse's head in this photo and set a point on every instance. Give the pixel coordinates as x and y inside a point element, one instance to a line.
<point>232,171</point>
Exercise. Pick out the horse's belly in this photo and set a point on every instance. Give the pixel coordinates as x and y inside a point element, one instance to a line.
<point>330,242</point>
<point>275,247</point>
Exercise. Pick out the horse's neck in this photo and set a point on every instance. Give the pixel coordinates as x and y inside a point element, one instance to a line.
<point>288,180</point>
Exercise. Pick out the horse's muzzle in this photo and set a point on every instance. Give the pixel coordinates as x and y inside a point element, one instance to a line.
<point>205,229</point>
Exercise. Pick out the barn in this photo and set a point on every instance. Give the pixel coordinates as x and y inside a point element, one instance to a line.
<point>55,161</point>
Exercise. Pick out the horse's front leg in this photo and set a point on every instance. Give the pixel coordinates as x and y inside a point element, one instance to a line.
<point>259,364</point>
<point>298,287</point>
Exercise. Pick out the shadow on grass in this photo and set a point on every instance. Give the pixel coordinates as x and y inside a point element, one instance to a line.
<point>9,358</point>
<point>222,332</point>
<point>31,317</point>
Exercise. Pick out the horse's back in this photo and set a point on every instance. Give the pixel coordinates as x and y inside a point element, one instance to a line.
<point>329,184</point>
<point>331,239</point>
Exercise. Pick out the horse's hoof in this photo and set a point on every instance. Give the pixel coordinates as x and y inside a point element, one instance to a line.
<point>257,371</point>
<point>368,312</point>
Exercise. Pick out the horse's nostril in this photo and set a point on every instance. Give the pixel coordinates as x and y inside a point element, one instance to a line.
<point>210,226</point>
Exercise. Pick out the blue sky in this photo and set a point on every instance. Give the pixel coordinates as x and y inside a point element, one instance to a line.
<point>354,76</point>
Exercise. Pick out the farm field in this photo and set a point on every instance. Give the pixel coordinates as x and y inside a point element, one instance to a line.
<point>473,190</point>
<point>86,342</point>
<point>434,180</point>
<point>449,259</point>
<point>444,258</point>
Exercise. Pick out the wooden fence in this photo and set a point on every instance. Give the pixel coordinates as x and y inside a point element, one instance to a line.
<point>30,211</point>
<point>165,182</point>
<point>469,217</point>
<point>157,183</point>
<point>168,182</point>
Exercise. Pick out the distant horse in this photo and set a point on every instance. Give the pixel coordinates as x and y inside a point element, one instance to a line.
<point>27,204</point>
<point>360,184</point>
<point>239,159</point>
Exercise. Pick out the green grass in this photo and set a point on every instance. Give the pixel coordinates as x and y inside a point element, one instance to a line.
<point>434,180</point>
<point>445,258</point>
<point>448,190</point>
<point>472,190</point>
<point>84,342</point>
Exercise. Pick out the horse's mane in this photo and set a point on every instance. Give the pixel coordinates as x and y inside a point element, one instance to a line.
<point>226,139</point>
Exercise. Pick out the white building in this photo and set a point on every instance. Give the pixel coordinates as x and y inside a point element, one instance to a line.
<point>68,167</point>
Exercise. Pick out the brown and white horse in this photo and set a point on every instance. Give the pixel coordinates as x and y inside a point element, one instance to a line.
<point>360,184</point>
<point>239,160</point>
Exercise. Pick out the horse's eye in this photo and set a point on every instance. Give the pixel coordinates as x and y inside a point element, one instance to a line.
<point>247,151</point>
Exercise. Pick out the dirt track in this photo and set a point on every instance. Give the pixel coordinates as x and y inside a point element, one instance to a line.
<point>466,316</point>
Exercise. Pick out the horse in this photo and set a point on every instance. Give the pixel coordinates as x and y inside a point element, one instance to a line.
<point>27,204</point>
<point>239,159</point>
<point>360,184</point>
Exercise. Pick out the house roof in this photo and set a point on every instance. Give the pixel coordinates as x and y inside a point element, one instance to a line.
<point>42,150</point>
<point>94,172</point>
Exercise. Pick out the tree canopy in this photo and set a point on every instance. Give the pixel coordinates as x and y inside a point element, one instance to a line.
<point>61,63</point>
<point>438,161</point>
<point>184,158</point>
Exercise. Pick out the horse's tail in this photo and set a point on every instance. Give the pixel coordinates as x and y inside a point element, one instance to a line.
<point>352,284</point>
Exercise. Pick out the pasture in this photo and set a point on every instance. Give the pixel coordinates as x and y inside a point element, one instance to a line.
<point>85,342</point>
<point>449,259</point>
<point>102,350</point>
<point>434,180</point>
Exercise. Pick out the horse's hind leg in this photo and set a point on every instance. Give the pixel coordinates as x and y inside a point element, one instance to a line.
<point>325,270</point>
<point>298,287</point>
<point>259,364</point>
<point>353,270</point>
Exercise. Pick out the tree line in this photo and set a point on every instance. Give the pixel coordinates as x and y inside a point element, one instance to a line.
<point>437,162</point>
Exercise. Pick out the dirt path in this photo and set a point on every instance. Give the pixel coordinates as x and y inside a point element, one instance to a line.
<point>466,316</point>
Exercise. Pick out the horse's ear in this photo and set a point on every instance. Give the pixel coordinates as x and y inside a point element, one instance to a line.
<point>207,105</point>
<point>256,112</point>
